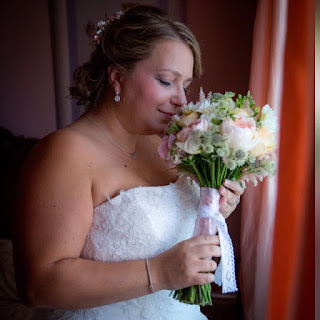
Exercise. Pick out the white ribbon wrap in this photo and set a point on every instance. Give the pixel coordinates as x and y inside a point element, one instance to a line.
<point>210,220</point>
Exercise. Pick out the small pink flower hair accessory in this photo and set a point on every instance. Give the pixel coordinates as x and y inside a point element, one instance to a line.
<point>101,25</point>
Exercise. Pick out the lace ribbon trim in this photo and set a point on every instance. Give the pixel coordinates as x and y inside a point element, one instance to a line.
<point>209,208</point>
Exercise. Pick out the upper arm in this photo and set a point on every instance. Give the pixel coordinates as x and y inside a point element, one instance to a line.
<point>54,202</point>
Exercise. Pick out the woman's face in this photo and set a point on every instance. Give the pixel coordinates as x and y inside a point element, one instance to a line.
<point>156,87</point>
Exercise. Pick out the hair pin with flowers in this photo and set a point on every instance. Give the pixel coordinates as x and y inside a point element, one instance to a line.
<point>101,25</point>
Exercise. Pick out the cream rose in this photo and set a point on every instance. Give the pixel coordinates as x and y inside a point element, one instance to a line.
<point>241,113</point>
<point>186,120</point>
<point>266,143</point>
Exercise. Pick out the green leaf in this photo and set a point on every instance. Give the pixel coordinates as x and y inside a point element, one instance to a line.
<point>216,121</point>
<point>174,128</point>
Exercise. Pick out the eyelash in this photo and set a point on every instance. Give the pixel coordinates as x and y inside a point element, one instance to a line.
<point>164,83</point>
<point>167,84</point>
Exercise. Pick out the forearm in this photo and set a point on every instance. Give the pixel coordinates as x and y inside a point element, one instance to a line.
<point>82,283</point>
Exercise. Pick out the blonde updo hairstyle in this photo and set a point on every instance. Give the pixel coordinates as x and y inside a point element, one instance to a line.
<point>123,43</point>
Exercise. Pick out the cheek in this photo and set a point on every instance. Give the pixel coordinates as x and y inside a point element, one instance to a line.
<point>151,94</point>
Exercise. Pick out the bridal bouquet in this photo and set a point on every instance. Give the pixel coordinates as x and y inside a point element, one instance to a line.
<point>220,137</point>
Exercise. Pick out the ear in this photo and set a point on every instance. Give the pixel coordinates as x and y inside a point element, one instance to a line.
<point>115,78</point>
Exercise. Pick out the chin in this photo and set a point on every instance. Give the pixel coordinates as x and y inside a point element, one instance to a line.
<point>161,129</point>
<point>157,131</point>
<point>158,128</point>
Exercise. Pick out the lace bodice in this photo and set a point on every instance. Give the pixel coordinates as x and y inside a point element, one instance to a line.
<point>141,223</point>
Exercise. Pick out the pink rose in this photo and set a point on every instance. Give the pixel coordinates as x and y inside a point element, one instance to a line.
<point>245,123</point>
<point>200,125</point>
<point>184,134</point>
<point>191,145</point>
<point>187,141</point>
<point>166,145</point>
<point>172,163</point>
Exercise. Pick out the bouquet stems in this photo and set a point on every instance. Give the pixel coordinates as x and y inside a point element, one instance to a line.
<point>199,295</point>
<point>211,174</point>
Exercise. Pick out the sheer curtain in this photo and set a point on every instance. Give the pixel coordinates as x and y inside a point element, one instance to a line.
<point>280,76</point>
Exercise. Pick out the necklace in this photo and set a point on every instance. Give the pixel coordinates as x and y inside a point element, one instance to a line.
<point>132,155</point>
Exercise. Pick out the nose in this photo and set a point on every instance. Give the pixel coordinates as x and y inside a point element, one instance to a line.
<point>179,98</point>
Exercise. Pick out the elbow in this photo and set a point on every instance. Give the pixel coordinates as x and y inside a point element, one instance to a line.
<point>32,285</point>
<point>25,290</point>
<point>33,299</point>
<point>29,295</point>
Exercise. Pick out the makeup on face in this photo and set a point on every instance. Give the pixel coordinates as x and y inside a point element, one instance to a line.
<point>157,87</point>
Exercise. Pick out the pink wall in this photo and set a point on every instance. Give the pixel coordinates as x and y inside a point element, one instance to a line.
<point>224,30</point>
<point>26,87</point>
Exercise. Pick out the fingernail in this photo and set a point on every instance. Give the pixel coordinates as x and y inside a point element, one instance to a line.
<point>227,181</point>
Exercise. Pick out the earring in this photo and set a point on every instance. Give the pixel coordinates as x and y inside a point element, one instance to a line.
<point>117,97</point>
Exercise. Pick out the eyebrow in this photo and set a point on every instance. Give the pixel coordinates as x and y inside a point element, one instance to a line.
<point>176,73</point>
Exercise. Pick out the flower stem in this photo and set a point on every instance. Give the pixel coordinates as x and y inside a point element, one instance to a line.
<point>202,184</point>
<point>218,172</point>
<point>205,175</point>
<point>213,177</point>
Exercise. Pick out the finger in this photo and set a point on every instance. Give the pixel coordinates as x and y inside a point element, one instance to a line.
<point>207,266</point>
<point>207,251</point>
<point>205,278</point>
<point>231,197</point>
<point>237,187</point>
<point>225,208</point>
<point>205,239</point>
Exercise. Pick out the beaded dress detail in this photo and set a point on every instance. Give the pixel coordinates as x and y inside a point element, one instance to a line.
<point>141,223</point>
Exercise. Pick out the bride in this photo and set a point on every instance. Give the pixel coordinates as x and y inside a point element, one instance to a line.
<point>104,224</point>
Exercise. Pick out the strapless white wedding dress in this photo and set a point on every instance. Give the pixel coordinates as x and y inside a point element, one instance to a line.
<point>141,223</point>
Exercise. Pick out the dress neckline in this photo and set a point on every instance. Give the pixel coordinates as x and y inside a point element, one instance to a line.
<point>123,192</point>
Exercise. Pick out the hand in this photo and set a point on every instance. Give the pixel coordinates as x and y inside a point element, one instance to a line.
<point>185,264</point>
<point>230,194</point>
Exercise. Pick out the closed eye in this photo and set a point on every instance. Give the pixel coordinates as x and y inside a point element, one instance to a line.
<point>164,83</point>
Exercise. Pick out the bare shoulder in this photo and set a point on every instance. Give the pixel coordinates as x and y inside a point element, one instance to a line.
<point>57,167</point>
<point>61,145</point>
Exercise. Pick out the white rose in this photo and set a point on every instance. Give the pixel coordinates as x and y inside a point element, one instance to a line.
<point>207,107</point>
<point>190,107</point>
<point>269,119</point>
<point>242,133</point>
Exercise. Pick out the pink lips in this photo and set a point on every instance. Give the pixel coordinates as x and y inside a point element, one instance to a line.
<point>168,114</point>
